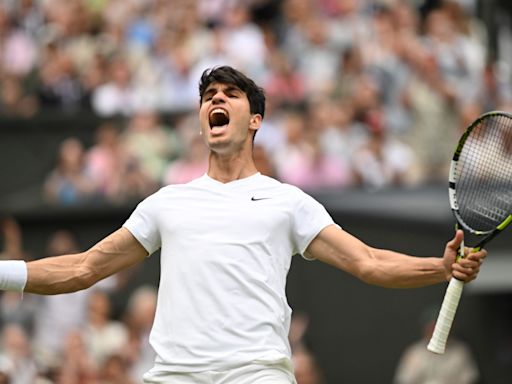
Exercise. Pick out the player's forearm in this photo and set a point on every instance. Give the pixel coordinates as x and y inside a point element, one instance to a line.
<point>61,274</point>
<point>395,270</point>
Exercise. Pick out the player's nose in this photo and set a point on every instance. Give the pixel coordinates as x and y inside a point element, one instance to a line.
<point>218,98</point>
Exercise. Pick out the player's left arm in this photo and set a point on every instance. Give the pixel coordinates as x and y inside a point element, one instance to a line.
<point>388,268</point>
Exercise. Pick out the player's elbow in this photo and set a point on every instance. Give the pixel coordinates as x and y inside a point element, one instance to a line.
<point>366,273</point>
<point>365,268</point>
<point>86,274</point>
<point>84,278</point>
<point>369,270</point>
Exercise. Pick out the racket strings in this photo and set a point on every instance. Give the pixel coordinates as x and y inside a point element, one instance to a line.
<point>484,174</point>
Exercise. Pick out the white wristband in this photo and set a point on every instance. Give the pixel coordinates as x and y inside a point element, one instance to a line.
<point>13,275</point>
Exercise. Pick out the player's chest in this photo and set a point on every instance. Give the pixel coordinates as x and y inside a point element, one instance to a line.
<point>249,215</point>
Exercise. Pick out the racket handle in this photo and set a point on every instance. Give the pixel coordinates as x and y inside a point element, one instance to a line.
<point>444,322</point>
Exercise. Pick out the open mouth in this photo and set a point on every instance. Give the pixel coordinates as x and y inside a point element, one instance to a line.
<point>218,118</point>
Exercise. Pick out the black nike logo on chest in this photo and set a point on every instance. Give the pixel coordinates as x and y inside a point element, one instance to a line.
<point>259,198</point>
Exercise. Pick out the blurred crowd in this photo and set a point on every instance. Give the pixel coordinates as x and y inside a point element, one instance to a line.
<point>370,93</point>
<point>75,338</point>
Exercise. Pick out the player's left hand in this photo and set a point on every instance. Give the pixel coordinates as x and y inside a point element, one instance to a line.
<point>465,269</point>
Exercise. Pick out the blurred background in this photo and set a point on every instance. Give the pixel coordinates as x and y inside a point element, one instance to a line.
<point>366,100</point>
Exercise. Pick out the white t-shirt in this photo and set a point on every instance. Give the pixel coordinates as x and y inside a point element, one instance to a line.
<point>225,252</point>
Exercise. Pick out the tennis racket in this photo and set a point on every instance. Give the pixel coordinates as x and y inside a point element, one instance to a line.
<point>480,193</point>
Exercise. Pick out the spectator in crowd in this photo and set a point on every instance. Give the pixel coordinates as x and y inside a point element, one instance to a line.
<point>116,172</point>
<point>306,367</point>
<point>16,357</point>
<point>178,86</point>
<point>106,158</point>
<point>103,337</point>
<point>12,308</point>
<point>284,85</point>
<point>56,316</point>
<point>91,78</point>
<point>417,365</point>
<point>118,95</point>
<point>75,364</point>
<point>301,162</point>
<point>150,143</point>
<point>338,133</point>
<point>15,101</point>
<point>58,84</point>
<point>456,48</point>
<point>495,91</point>
<point>243,41</point>
<point>139,316</point>
<point>262,161</point>
<point>307,370</point>
<point>19,50</point>
<point>432,102</point>
<point>12,240</point>
<point>191,165</point>
<point>382,160</point>
<point>70,182</point>
<point>115,370</point>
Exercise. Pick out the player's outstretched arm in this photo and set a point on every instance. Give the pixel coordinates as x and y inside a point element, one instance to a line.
<point>69,273</point>
<point>388,268</point>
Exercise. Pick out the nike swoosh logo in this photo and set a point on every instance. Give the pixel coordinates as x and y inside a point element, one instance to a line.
<point>259,198</point>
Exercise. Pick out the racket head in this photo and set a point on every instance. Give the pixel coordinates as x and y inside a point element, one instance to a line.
<point>480,180</point>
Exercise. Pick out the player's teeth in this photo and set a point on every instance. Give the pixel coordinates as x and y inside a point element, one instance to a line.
<point>218,110</point>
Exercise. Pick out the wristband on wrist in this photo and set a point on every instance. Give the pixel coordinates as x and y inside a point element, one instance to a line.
<point>13,275</point>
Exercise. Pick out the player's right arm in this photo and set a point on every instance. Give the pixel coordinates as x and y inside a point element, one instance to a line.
<point>69,273</point>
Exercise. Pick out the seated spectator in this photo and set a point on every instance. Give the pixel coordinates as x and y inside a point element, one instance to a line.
<point>383,161</point>
<point>262,161</point>
<point>12,240</point>
<point>104,159</point>
<point>16,355</point>
<point>75,364</point>
<point>103,336</point>
<point>284,85</point>
<point>58,315</point>
<point>301,162</point>
<point>115,370</point>
<point>15,101</point>
<point>417,365</point>
<point>12,308</point>
<point>19,50</point>
<point>139,316</point>
<point>116,172</point>
<point>150,143</point>
<point>69,182</point>
<point>192,164</point>
<point>306,368</point>
<point>116,96</point>
<point>58,84</point>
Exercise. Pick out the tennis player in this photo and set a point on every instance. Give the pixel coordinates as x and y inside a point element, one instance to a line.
<point>227,240</point>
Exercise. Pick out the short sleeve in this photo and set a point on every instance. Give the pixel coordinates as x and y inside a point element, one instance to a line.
<point>142,224</point>
<point>309,218</point>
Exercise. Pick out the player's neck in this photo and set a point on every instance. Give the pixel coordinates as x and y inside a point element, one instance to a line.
<point>226,168</point>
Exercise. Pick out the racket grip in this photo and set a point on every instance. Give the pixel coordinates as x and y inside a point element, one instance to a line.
<point>444,321</point>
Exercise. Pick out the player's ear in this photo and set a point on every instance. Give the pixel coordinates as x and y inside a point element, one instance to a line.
<point>255,122</point>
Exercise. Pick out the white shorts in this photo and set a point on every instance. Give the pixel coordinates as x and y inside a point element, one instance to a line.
<point>278,373</point>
